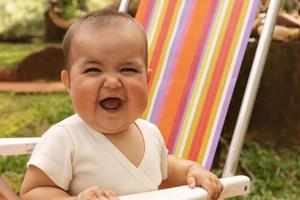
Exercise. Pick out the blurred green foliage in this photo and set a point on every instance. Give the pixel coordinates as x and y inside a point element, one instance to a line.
<point>75,8</point>
<point>290,5</point>
<point>22,19</point>
<point>93,5</point>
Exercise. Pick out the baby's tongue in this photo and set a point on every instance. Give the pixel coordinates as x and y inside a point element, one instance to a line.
<point>111,103</point>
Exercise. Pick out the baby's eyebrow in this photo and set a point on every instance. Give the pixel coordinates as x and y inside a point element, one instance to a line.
<point>134,62</point>
<point>91,62</point>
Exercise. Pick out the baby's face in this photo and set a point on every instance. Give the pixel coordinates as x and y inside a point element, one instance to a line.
<point>108,76</point>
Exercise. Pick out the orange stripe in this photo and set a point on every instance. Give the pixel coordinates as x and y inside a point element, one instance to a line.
<point>221,89</point>
<point>141,11</point>
<point>219,69</point>
<point>162,38</point>
<point>185,60</point>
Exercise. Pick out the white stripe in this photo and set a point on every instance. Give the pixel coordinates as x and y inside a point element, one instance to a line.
<point>201,84</point>
<point>155,20</point>
<point>151,34</point>
<point>166,58</point>
<point>228,80</point>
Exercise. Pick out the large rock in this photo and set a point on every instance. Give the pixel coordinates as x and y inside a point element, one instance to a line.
<point>276,115</point>
<point>43,65</point>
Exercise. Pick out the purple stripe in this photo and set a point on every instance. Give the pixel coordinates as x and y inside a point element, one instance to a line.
<point>170,66</point>
<point>232,84</point>
<point>147,28</point>
<point>197,63</point>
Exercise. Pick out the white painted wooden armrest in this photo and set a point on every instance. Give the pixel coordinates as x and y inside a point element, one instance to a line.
<point>17,146</point>
<point>233,186</point>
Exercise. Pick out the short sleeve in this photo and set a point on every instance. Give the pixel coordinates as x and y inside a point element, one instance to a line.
<point>163,153</point>
<point>164,158</point>
<point>53,155</point>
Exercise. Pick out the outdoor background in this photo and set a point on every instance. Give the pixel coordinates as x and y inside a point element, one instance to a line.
<point>30,50</point>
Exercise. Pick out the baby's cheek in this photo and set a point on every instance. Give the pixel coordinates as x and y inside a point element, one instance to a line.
<point>82,100</point>
<point>139,91</point>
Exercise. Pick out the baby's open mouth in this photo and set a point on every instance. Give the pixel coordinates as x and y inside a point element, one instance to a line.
<point>111,103</point>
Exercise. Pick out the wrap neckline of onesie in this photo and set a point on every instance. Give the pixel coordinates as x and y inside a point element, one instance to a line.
<point>116,152</point>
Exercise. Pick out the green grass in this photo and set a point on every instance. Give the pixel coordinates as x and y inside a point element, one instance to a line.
<point>27,115</point>
<point>275,174</point>
<point>13,53</point>
<point>12,169</point>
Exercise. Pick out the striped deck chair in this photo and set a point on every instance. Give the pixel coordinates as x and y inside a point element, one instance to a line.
<point>195,52</point>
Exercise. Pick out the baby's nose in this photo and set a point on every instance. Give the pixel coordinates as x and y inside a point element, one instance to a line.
<point>112,82</point>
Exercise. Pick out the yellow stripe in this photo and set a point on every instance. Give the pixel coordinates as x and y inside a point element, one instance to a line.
<point>220,92</point>
<point>160,18</point>
<point>168,42</point>
<point>196,90</point>
<point>186,130</point>
<point>191,130</point>
<point>164,56</point>
<point>156,17</point>
<point>212,65</point>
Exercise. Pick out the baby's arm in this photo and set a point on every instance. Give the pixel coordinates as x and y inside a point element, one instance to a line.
<point>181,172</point>
<point>37,185</point>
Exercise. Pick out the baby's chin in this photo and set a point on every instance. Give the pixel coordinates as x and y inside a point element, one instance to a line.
<point>111,129</point>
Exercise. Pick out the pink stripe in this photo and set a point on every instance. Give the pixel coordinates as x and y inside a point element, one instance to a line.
<point>147,17</point>
<point>233,79</point>
<point>162,38</point>
<point>212,91</point>
<point>194,72</point>
<point>170,66</point>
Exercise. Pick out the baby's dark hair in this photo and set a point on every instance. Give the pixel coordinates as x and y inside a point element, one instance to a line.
<point>99,20</point>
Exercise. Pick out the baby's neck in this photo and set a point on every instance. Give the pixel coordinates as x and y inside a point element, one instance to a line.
<point>130,143</point>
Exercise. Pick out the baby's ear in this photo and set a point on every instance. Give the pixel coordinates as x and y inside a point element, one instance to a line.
<point>149,72</point>
<point>64,75</point>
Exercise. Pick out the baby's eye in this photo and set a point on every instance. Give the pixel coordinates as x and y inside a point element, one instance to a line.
<point>92,69</point>
<point>129,69</point>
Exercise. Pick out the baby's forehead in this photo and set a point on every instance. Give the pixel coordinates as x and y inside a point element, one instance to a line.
<point>128,26</point>
<point>120,24</point>
<point>110,38</point>
<point>82,30</point>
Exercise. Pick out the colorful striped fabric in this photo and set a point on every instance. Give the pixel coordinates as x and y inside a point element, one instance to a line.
<point>195,52</point>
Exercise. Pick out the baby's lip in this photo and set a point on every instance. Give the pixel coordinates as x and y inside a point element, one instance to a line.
<point>111,103</point>
<point>111,97</point>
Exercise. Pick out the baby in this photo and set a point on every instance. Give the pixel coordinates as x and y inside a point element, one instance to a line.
<point>105,150</point>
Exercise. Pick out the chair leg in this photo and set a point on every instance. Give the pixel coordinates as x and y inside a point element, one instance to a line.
<point>7,192</point>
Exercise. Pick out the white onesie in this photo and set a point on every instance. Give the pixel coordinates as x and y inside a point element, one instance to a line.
<point>76,157</point>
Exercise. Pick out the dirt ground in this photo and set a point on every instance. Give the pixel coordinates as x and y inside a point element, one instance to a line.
<point>32,87</point>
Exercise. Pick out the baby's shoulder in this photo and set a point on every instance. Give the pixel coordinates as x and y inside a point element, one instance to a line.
<point>65,127</point>
<point>148,128</point>
<point>73,122</point>
<point>147,124</point>
<point>70,121</point>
